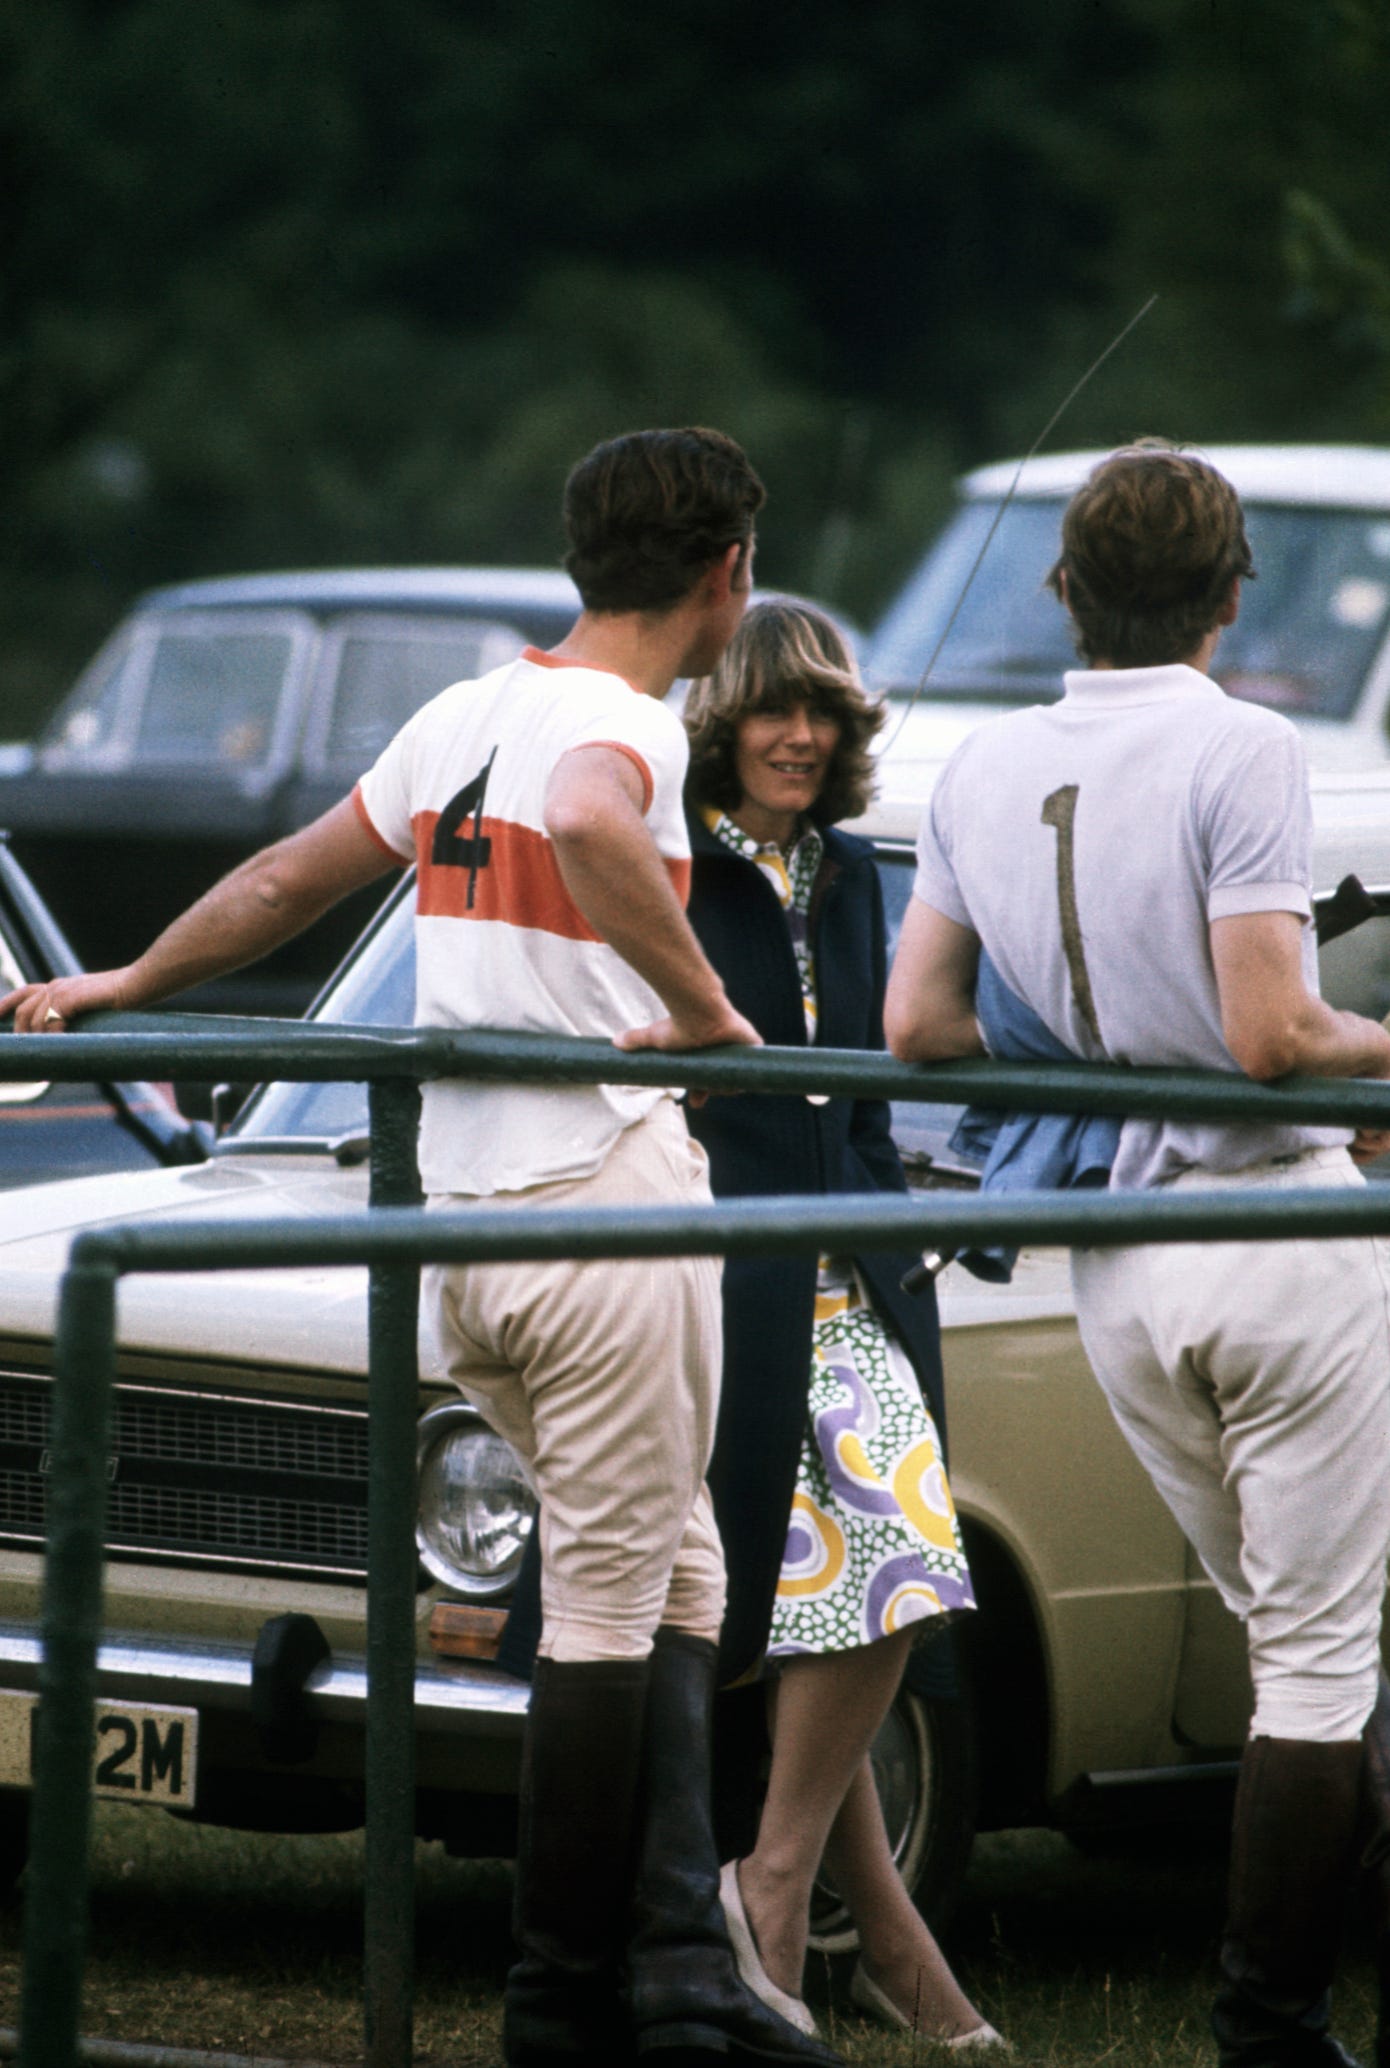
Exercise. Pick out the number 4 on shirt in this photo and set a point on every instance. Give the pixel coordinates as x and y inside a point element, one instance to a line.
<point>454,849</point>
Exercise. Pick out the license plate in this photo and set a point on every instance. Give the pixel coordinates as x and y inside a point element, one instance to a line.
<point>139,1753</point>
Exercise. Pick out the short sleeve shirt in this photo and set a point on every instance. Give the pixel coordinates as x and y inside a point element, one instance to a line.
<point>460,791</point>
<point>1091,842</point>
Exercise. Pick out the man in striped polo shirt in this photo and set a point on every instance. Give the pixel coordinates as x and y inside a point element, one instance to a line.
<point>541,806</point>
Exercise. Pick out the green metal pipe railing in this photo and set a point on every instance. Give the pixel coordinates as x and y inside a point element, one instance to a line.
<point>393,1303</point>
<point>392,1244</point>
<point>127,1045</point>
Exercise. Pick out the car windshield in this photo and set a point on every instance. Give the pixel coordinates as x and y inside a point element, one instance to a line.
<point>188,691</point>
<point>376,988</point>
<point>1308,630</point>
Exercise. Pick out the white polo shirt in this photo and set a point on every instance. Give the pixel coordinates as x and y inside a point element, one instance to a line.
<point>460,791</point>
<point>1090,843</point>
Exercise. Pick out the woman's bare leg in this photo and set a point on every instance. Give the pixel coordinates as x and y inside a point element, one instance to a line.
<point>896,1945</point>
<point>826,1709</point>
<point>826,1712</point>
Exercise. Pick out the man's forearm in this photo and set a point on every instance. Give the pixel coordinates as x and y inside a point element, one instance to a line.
<point>239,920</point>
<point>263,903</point>
<point>1328,1043</point>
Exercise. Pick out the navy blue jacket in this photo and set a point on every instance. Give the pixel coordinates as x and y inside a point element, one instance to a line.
<point>767,1143</point>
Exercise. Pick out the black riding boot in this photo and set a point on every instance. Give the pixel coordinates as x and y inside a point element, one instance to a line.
<point>1375,1851</point>
<point>1293,1855</point>
<point>575,1832</point>
<point>685,1988</point>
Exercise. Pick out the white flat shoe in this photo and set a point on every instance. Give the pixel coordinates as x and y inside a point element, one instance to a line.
<point>752,1973</point>
<point>865,1995</point>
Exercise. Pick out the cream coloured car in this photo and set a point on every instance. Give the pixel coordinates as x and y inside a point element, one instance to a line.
<point>1102,1682</point>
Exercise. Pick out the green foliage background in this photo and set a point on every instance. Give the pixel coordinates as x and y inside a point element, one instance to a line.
<point>291,283</point>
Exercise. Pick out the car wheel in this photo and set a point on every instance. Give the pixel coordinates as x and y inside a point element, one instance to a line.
<point>924,1765</point>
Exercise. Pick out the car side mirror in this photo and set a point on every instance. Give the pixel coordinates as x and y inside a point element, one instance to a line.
<point>198,1099</point>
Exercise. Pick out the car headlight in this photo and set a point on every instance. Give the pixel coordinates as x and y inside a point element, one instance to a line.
<point>475,1506</point>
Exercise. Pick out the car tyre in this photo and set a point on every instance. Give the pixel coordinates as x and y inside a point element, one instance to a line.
<point>925,1767</point>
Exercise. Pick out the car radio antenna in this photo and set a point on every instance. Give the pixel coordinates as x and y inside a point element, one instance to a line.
<point>1058,413</point>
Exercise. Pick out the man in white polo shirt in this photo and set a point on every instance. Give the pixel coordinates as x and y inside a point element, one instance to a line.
<point>1135,860</point>
<point>541,806</point>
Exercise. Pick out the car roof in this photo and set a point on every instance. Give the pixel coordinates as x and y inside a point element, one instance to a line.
<point>377,588</point>
<point>1340,476</point>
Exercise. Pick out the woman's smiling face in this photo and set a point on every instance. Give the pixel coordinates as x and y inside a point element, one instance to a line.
<point>781,760</point>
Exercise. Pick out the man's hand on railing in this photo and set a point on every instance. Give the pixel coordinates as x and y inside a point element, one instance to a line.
<point>47,1008</point>
<point>717,1026</point>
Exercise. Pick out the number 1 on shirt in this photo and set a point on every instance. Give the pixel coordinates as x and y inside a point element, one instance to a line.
<point>1059,811</point>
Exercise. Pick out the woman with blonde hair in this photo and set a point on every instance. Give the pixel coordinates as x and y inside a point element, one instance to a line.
<point>828,1475</point>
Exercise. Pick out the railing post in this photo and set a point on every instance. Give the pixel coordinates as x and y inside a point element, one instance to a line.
<point>393,1409</point>
<point>55,1909</point>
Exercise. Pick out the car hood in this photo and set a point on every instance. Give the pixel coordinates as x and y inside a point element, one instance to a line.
<point>310,1318</point>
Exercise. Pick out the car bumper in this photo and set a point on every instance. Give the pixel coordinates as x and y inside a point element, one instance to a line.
<point>456,1696</point>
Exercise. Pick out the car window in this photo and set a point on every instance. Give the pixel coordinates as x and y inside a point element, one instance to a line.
<point>86,724</point>
<point>376,989</point>
<point>384,673</point>
<point>178,690</point>
<point>1311,622</point>
<point>1309,626</point>
<point>212,696</point>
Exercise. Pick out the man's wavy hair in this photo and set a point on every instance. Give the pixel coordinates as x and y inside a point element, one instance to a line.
<point>647,513</point>
<point>783,653</point>
<point>1151,544</point>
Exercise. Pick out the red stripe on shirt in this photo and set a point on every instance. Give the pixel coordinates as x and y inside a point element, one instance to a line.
<point>519,883</point>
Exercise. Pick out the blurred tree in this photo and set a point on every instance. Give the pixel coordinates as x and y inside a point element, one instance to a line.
<point>287,282</point>
<point>1342,293</point>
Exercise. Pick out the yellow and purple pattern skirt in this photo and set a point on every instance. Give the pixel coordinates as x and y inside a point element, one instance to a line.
<point>873,1544</point>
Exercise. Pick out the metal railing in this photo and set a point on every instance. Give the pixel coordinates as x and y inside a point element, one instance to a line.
<point>394,1243</point>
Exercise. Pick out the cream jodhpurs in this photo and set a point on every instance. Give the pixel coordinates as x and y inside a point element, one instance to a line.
<point>604,1378</point>
<point>1252,1381</point>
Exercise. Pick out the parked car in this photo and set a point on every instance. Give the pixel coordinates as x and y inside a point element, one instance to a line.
<point>221,715</point>
<point>1104,1680</point>
<point>1312,639</point>
<point>50,1131</point>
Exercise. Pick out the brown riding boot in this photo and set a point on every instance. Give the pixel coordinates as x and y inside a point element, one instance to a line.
<point>563,2006</point>
<point>1293,1857</point>
<point>686,1996</point>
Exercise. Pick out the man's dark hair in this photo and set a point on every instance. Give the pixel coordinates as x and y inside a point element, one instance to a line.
<point>1151,544</point>
<point>647,513</point>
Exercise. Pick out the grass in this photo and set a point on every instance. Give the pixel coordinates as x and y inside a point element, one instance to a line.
<point>252,1945</point>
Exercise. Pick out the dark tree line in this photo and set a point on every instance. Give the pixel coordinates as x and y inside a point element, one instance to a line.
<point>288,282</point>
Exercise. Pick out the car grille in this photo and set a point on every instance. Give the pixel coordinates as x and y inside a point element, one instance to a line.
<point>201,1478</point>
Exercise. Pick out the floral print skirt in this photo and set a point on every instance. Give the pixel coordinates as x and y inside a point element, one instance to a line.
<point>873,1544</point>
